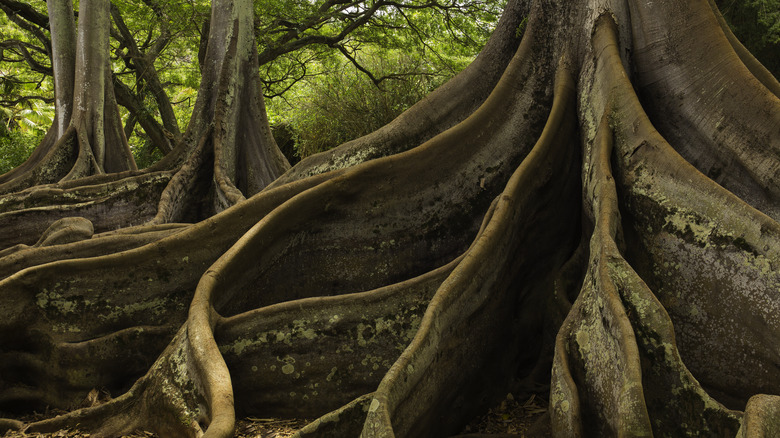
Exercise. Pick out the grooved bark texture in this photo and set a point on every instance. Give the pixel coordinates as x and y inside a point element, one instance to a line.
<point>589,211</point>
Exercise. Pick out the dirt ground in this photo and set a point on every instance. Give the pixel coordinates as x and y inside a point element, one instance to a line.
<point>510,418</point>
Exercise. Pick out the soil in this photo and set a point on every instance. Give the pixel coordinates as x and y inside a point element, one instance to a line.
<point>510,418</point>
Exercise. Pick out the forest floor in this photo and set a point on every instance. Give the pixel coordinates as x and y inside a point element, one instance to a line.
<point>510,418</point>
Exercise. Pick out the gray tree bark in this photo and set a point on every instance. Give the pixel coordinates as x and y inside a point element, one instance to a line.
<point>63,28</point>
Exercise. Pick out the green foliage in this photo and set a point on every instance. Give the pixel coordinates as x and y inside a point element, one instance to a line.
<point>30,117</point>
<point>757,25</point>
<point>344,86</point>
<point>26,94</point>
<point>297,40</point>
<point>521,27</point>
<point>343,103</point>
<point>436,31</point>
<point>144,152</point>
<point>16,146</point>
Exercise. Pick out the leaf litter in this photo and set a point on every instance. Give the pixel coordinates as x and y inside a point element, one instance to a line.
<point>509,418</point>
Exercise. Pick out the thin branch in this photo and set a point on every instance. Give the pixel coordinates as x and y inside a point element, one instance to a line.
<point>287,44</point>
<point>27,12</point>
<point>357,65</point>
<point>20,14</point>
<point>28,57</point>
<point>24,99</point>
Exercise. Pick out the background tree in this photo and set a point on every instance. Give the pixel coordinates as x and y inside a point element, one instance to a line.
<point>151,30</point>
<point>570,212</point>
<point>86,137</point>
<point>156,45</point>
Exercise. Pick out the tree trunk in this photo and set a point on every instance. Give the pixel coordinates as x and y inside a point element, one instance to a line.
<point>63,50</point>
<point>226,154</point>
<point>87,136</point>
<point>592,212</point>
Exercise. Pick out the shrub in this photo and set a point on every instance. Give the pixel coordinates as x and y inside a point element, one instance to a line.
<point>16,146</point>
<point>330,109</point>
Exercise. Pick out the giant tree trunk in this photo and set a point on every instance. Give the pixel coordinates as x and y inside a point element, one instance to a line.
<point>591,212</point>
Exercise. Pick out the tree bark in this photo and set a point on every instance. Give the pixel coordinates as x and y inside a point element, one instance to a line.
<point>590,215</point>
<point>63,29</point>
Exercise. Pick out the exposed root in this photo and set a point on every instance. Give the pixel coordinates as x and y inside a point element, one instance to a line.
<point>426,388</point>
<point>413,288</point>
<point>654,383</point>
<point>711,109</point>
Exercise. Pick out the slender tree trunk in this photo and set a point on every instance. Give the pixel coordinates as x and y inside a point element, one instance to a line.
<point>164,136</point>
<point>63,29</point>
<point>103,147</point>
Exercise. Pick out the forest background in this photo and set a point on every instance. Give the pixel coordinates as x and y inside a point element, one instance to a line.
<point>331,70</point>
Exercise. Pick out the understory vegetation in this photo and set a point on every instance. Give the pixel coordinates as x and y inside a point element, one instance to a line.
<point>343,103</point>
